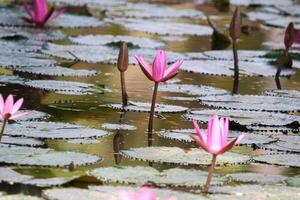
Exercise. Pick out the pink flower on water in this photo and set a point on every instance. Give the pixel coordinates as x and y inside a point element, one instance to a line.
<point>215,141</point>
<point>8,108</point>
<point>159,72</point>
<point>144,193</point>
<point>39,13</point>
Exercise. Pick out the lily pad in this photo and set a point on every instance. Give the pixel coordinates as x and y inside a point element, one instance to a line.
<point>283,22</point>
<point>52,130</point>
<point>196,90</point>
<point>110,39</point>
<point>84,141</point>
<point>126,127</point>
<point>258,178</point>
<point>175,177</point>
<point>283,93</point>
<point>64,87</point>
<point>252,102</point>
<point>89,3</point>
<point>146,10</point>
<point>21,141</point>
<point>34,116</point>
<point>225,68</point>
<point>184,136</point>
<point>11,79</point>
<point>19,197</point>
<point>28,156</point>
<point>175,155</point>
<point>244,55</point>
<point>164,28</point>
<point>17,61</point>
<point>282,146</point>
<point>145,107</point>
<point>293,181</point>
<point>10,176</point>
<point>261,2</point>
<point>247,118</point>
<point>288,160</point>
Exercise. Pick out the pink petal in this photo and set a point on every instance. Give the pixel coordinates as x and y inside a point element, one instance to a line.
<point>8,105</point>
<point>27,9</point>
<point>201,136</point>
<point>229,145</point>
<point>214,137</point>
<point>146,194</point>
<point>144,66</point>
<point>239,138</point>
<point>127,195</point>
<point>201,144</point>
<point>40,9</point>
<point>17,106</point>
<point>20,115</point>
<point>171,71</point>
<point>56,14</point>
<point>172,198</point>
<point>1,103</point>
<point>159,65</point>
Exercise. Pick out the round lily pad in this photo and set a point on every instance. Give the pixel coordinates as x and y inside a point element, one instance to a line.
<point>293,181</point>
<point>249,138</point>
<point>225,68</point>
<point>257,178</point>
<point>142,175</point>
<point>175,155</point>
<point>44,157</point>
<point>288,160</point>
<point>89,3</point>
<point>84,141</point>
<point>252,102</point>
<point>19,197</point>
<point>261,3</point>
<point>283,22</point>
<point>51,130</point>
<point>126,127</point>
<point>11,79</point>
<point>145,107</point>
<point>110,39</point>
<point>246,118</point>
<point>293,147</point>
<point>21,141</point>
<point>34,116</point>
<point>197,90</point>
<point>283,93</point>
<point>244,55</point>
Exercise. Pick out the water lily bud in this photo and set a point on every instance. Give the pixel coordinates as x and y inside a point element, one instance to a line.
<point>289,36</point>
<point>235,25</point>
<point>123,58</point>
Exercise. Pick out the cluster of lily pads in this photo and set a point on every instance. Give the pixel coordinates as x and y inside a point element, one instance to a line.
<point>29,46</point>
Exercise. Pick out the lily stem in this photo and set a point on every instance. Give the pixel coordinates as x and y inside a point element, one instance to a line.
<point>2,129</point>
<point>277,80</point>
<point>236,68</point>
<point>123,87</point>
<point>150,125</point>
<point>210,173</point>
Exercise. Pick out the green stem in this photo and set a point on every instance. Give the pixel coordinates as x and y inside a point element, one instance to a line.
<point>210,173</point>
<point>2,129</point>
<point>150,125</point>
<point>236,68</point>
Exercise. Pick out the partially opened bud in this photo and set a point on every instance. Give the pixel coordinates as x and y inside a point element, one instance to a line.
<point>123,58</point>
<point>289,36</point>
<point>235,25</point>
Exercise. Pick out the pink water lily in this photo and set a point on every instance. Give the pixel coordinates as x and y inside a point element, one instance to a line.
<point>39,14</point>
<point>144,193</point>
<point>8,108</point>
<point>215,140</point>
<point>159,72</point>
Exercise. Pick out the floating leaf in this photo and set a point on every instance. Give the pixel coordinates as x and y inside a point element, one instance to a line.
<point>175,155</point>
<point>10,176</point>
<point>126,127</point>
<point>282,146</point>
<point>283,93</point>
<point>83,141</point>
<point>261,3</point>
<point>252,102</point>
<point>145,107</point>
<point>34,116</point>
<point>110,39</point>
<point>257,178</point>
<point>175,177</point>
<point>293,181</point>
<point>19,197</point>
<point>44,157</point>
<point>52,130</point>
<point>89,3</point>
<point>225,68</point>
<point>244,55</point>
<point>289,160</point>
<point>247,118</point>
<point>164,28</point>
<point>273,129</point>
<point>21,141</point>
<point>282,22</point>
<point>11,79</point>
<point>197,90</point>
<point>17,61</point>
<point>184,136</point>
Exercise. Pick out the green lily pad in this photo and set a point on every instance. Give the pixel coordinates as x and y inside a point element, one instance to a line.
<point>258,178</point>
<point>252,102</point>
<point>244,55</point>
<point>19,197</point>
<point>175,155</point>
<point>261,2</point>
<point>84,141</point>
<point>11,79</point>
<point>88,3</point>
<point>145,107</point>
<point>21,141</point>
<point>126,127</point>
<point>286,143</point>
<point>175,177</point>
<point>28,156</point>
<point>293,181</point>
<point>283,93</point>
<point>34,116</point>
<point>52,130</point>
<point>288,160</point>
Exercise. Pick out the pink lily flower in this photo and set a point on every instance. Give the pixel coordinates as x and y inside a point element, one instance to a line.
<point>159,72</point>
<point>215,141</point>
<point>8,108</point>
<point>39,13</point>
<point>144,193</point>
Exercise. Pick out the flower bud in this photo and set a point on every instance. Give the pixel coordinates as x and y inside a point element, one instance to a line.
<point>289,36</point>
<point>123,58</point>
<point>235,25</point>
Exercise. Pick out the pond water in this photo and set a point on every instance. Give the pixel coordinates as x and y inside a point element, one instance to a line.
<point>89,109</point>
